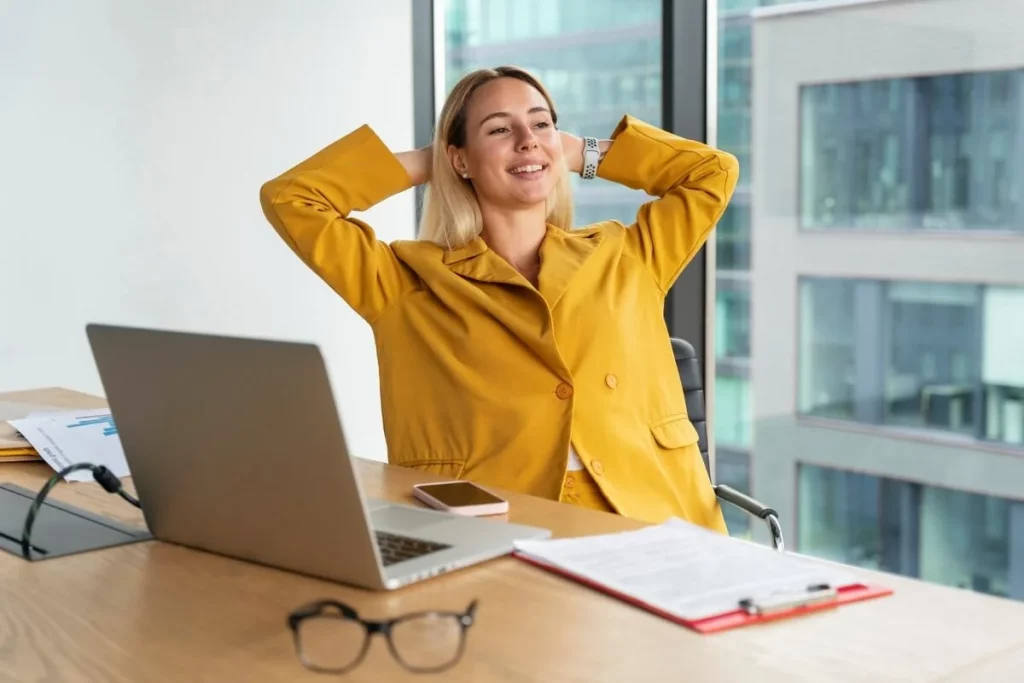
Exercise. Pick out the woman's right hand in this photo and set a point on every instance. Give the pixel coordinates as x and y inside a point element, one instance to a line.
<point>417,163</point>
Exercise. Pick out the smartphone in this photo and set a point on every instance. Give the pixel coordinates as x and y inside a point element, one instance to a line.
<point>460,498</point>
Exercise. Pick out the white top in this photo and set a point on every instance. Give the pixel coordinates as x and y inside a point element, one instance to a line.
<point>575,464</point>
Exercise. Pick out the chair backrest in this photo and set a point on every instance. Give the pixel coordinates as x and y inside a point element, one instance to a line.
<point>693,389</point>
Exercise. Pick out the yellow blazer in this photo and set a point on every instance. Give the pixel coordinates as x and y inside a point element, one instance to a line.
<point>486,378</point>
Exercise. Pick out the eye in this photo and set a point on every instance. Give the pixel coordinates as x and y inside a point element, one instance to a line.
<point>502,129</point>
<point>544,124</point>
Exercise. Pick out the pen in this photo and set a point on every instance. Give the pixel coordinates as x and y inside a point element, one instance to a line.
<point>815,594</point>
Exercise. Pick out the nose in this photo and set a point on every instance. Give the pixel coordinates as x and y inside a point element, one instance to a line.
<point>526,141</point>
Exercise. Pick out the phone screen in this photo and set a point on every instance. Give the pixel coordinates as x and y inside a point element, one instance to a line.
<point>460,493</point>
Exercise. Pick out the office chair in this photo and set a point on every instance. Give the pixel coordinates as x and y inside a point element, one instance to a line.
<point>693,389</point>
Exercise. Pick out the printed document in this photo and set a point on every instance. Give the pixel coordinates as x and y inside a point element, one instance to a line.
<point>72,436</point>
<point>13,410</point>
<point>685,570</point>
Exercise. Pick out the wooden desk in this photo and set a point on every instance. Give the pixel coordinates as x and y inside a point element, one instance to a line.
<point>159,612</point>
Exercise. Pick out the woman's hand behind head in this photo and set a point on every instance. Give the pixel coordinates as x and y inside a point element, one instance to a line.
<point>572,151</point>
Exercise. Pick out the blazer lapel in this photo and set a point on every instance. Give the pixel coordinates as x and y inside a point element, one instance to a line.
<point>562,254</point>
<point>476,262</point>
<point>518,307</point>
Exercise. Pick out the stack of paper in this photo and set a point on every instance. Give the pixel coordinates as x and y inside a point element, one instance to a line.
<point>64,437</point>
<point>13,446</point>
<point>693,576</point>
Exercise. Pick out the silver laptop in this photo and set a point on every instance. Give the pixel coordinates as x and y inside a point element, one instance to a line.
<point>235,447</point>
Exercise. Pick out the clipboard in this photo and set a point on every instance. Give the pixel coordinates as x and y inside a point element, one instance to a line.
<point>698,578</point>
<point>747,613</point>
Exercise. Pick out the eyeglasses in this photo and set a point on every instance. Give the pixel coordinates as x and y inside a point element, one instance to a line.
<point>330,637</point>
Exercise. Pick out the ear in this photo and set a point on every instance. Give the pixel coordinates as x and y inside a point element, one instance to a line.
<point>458,161</point>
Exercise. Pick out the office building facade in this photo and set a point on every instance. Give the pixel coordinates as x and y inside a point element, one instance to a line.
<point>887,287</point>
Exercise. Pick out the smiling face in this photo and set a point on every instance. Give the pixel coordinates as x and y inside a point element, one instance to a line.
<point>512,150</point>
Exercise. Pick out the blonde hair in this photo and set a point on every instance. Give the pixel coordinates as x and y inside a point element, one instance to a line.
<point>451,213</point>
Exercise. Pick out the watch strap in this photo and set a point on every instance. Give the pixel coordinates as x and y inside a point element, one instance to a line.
<point>591,155</point>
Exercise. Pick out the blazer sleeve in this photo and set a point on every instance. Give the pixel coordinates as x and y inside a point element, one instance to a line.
<point>693,183</point>
<point>309,207</point>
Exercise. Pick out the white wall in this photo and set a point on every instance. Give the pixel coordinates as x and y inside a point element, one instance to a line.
<point>134,137</point>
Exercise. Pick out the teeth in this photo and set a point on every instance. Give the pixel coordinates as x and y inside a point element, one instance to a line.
<point>527,169</point>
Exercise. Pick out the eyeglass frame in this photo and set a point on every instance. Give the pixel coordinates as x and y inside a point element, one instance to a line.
<point>373,627</point>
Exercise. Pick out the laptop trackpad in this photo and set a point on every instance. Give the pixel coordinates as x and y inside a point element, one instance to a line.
<point>397,518</point>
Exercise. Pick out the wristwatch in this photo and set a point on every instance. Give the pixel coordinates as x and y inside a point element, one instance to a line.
<point>591,155</point>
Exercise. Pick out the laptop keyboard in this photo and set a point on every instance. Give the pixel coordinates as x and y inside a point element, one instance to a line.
<point>395,548</point>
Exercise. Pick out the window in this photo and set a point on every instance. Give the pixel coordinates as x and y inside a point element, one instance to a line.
<point>827,348</point>
<point>732,320</point>
<point>932,153</point>
<point>931,373</point>
<point>733,468</point>
<point>929,356</point>
<point>950,537</point>
<point>1002,372</point>
<point>732,411</point>
<point>733,252</point>
<point>598,58</point>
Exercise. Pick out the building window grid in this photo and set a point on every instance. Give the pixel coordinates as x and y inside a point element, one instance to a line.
<point>938,534</point>
<point>933,153</point>
<point>922,370</point>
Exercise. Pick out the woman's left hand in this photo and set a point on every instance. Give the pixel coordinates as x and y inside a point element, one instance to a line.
<point>572,150</point>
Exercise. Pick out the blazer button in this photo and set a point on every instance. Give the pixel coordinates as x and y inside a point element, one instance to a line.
<point>611,380</point>
<point>563,391</point>
<point>598,466</point>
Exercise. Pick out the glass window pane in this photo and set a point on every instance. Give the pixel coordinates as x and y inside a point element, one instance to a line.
<point>839,516</point>
<point>1002,382</point>
<point>732,469</point>
<point>732,321</point>
<point>947,358</point>
<point>932,152</point>
<point>965,540</point>
<point>949,537</point>
<point>933,354</point>
<point>827,353</point>
<point>733,248</point>
<point>732,411</point>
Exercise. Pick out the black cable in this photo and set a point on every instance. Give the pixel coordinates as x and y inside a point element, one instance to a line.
<point>104,477</point>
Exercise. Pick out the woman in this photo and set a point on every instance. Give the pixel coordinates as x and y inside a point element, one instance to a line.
<point>514,351</point>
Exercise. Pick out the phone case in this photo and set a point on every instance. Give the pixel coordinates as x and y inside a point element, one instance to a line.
<point>466,510</point>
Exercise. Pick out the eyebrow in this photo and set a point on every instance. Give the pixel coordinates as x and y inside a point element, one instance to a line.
<point>505,114</point>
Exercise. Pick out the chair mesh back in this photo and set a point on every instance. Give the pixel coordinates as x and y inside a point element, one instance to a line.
<point>693,389</point>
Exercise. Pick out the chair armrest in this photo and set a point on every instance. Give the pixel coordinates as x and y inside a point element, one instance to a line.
<point>741,500</point>
<point>756,508</point>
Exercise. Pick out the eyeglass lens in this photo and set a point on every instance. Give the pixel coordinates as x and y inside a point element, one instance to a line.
<point>423,641</point>
<point>427,641</point>
<point>331,643</point>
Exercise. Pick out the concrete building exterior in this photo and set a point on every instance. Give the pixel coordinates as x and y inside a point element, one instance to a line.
<point>887,284</point>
